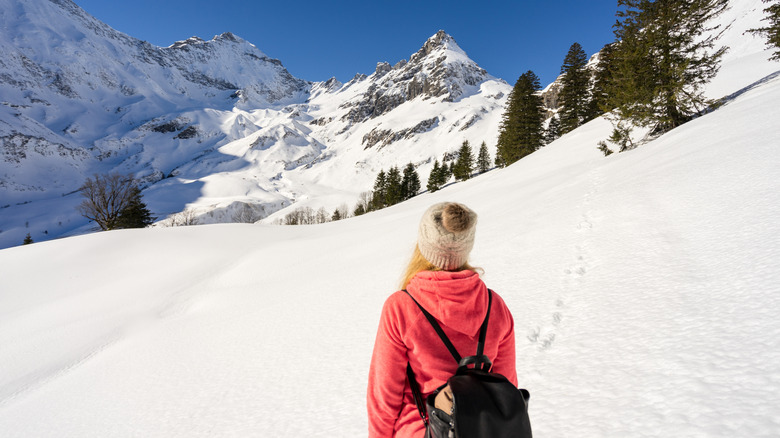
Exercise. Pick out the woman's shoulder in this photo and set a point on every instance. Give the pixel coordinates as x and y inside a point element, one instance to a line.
<point>499,305</point>
<point>398,300</point>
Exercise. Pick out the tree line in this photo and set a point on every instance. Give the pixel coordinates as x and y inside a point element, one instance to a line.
<point>461,168</point>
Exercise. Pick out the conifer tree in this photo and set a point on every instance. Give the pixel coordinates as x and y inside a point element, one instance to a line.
<point>574,96</point>
<point>434,179</point>
<point>27,239</point>
<point>393,194</point>
<point>483,158</point>
<point>603,76</point>
<point>772,30</point>
<point>135,214</point>
<point>380,193</point>
<point>521,130</point>
<point>465,162</point>
<point>663,60</point>
<point>410,183</point>
<point>445,174</point>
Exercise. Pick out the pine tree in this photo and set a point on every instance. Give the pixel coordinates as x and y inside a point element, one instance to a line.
<point>483,158</point>
<point>521,130</point>
<point>393,194</point>
<point>380,193</point>
<point>465,162</point>
<point>574,97</point>
<point>772,30</point>
<point>135,214</point>
<point>602,81</point>
<point>553,130</point>
<point>662,60</point>
<point>27,239</point>
<point>434,179</point>
<point>410,183</point>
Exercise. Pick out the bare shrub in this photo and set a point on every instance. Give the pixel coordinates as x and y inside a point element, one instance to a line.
<point>183,218</point>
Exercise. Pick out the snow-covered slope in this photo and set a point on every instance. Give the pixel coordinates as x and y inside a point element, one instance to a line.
<point>644,287</point>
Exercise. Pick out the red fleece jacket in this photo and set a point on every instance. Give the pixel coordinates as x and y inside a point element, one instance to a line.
<point>458,301</point>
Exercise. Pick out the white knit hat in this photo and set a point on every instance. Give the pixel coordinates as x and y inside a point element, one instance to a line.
<point>446,234</point>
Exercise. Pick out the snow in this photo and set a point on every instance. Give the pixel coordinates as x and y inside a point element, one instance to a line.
<point>644,287</point>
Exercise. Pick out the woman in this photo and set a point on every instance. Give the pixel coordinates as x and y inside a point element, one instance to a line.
<point>441,280</point>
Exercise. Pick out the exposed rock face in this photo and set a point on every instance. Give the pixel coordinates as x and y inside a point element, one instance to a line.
<point>440,69</point>
<point>552,91</point>
<point>17,147</point>
<point>387,136</point>
<point>550,95</point>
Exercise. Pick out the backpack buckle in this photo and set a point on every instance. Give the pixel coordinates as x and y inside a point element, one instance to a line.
<point>481,362</point>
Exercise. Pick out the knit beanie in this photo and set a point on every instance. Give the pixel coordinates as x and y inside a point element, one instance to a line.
<point>446,234</point>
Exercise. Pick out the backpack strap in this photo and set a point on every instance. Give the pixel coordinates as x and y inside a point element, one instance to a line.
<point>417,393</point>
<point>443,336</point>
<point>483,329</point>
<point>439,331</point>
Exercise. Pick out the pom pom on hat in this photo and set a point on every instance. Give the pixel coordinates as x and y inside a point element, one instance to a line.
<point>446,234</point>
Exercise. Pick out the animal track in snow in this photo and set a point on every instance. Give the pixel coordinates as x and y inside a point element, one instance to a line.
<point>575,273</point>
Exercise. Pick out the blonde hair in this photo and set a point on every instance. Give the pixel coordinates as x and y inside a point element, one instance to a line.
<point>418,264</point>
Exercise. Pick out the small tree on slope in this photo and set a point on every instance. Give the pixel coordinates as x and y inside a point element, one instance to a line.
<point>135,214</point>
<point>483,158</point>
<point>435,179</point>
<point>410,182</point>
<point>465,163</point>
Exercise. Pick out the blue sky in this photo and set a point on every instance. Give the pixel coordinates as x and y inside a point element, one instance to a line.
<point>316,40</point>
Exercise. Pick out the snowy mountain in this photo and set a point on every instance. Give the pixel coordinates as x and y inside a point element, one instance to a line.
<point>211,125</point>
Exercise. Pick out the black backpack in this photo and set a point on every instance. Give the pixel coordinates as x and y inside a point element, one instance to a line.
<point>485,404</point>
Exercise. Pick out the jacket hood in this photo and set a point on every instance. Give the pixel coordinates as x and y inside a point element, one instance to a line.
<point>458,300</point>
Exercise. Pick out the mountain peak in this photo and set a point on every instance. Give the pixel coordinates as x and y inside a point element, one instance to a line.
<point>440,38</point>
<point>441,41</point>
<point>229,36</point>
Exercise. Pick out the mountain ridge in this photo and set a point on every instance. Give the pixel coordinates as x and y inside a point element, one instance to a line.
<point>80,97</point>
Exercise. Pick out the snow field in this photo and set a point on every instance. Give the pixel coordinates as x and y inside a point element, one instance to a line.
<point>642,286</point>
